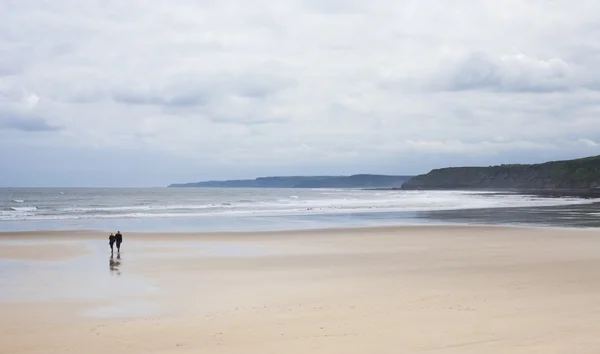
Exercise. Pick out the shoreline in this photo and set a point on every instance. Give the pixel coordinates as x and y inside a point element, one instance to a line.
<point>279,211</point>
<point>550,193</point>
<point>77,234</point>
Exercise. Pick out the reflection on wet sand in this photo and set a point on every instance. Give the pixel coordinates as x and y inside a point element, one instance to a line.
<point>114,264</point>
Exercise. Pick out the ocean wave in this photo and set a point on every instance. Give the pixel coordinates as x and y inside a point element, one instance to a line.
<point>134,208</point>
<point>18,201</point>
<point>252,211</point>
<point>274,204</point>
<point>23,209</point>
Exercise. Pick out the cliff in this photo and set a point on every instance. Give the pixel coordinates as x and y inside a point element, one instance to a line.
<point>354,181</point>
<point>579,174</point>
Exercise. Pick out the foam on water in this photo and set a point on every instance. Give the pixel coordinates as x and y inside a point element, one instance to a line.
<point>101,204</point>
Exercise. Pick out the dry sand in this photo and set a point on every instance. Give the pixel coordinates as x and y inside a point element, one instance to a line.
<point>381,290</point>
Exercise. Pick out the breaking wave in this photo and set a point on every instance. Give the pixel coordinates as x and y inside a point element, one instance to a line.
<point>165,203</point>
<point>23,209</point>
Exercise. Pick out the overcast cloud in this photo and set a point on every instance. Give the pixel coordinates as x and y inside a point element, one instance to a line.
<point>148,93</point>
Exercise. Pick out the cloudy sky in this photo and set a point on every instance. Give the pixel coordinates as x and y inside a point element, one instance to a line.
<point>132,92</point>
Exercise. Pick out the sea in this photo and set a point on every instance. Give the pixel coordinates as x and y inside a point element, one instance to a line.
<point>256,209</point>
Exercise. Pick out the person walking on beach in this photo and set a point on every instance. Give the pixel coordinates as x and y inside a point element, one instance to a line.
<point>111,241</point>
<point>119,239</point>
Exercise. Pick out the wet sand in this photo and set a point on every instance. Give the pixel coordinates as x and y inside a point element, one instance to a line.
<point>428,289</point>
<point>40,252</point>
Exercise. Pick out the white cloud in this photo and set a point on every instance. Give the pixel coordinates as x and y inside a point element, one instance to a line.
<point>515,73</point>
<point>265,83</point>
<point>588,142</point>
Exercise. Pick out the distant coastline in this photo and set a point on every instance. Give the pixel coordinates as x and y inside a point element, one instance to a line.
<point>572,178</point>
<point>353,181</point>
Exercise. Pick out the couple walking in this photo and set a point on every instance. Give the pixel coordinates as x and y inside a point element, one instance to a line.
<point>118,238</point>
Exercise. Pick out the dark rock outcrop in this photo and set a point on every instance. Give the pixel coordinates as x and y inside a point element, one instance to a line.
<point>579,174</point>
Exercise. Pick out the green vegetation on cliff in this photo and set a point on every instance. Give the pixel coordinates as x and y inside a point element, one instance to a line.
<point>576,174</point>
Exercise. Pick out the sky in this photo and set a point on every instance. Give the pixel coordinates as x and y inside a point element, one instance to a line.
<point>140,93</point>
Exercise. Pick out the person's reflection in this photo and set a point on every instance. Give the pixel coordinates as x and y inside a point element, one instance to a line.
<point>115,264</point>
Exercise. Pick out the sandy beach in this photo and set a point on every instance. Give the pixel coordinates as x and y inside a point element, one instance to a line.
<point>426,289</point>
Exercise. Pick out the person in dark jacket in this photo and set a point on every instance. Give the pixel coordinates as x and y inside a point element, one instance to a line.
<point>111,241</point>
<point>119,239</point>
